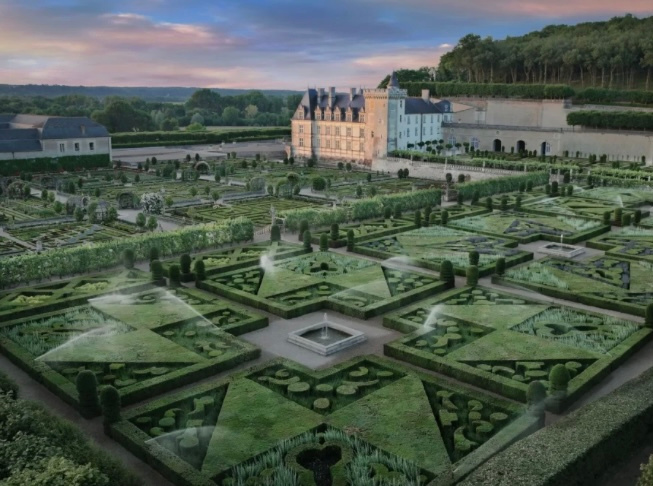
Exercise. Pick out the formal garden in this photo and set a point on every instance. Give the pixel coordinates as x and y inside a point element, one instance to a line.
<point>182,340</point>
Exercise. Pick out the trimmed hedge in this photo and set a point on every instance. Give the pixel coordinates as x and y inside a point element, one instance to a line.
<point>576,449</point>
<point>98,256</point>
<point>610,120</point>
<point>142,139</point>
<point>490,187</point>
<point>48,164</point>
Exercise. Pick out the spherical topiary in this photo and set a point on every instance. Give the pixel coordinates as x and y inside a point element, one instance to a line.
<point>174,273</point>
<point>157,270</point>
<point>128,258</point>
<point>472,275</point>
<point>536,393</point>
<point>154,253</point>
<point>303,226</point>
<point>335,231</point>
<point>89,405</point>
<point>350,240</point>
<point>446,273</point>
<point>504,203</point>
<point>444,217</point>
<point>275,233</point>
<point>488,203</point>
<point>184,263</point>
<point>501,266</point>
<point>559,379</point>
<point>110,401</point>
<point>418,218</point>
<point>473,257</point>
<point>307,240</point>
<point>649,315</point>
<point>570,190</point>
<point>324,242</point>
<point>387,213</point>
<point>200,270</point>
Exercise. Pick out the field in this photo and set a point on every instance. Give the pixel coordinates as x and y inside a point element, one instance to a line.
<point>324,280</point>
<point>437,431</point>
<point>502,342</point>
<point>428,247</point>
<point>526,227</point>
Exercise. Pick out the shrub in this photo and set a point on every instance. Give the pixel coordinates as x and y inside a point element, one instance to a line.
<point>184,262</point>
<point>501,266</point>
<point>558,379</point>
<point>79,214</point>
<point>626,220</point>
<point>637,217</point>
<point>8,386</point>
<point>141,220</point>
<point>536,393</point>
<point>275,233</point>
<point>157,270</point>
<point>570,190</point>
<point>433,219</point>
<point>522,186</point>
<point>460,198</point>
<point>504,203</point>
<point>473,257</point>
<point>518,203</point>
<point>488,203</point>
<point>128,258</point>
<point>554,188</point>
<point>475,197</point>
<point>649,315</point>
<point>318,183</point>
<point>324,242</point>
<point>444,217</point>
<point>547,189</point>
<point>397,211</point>
<point>110,401</point>
<point>472,275</point>
<point>418,218</point>
<point>350,240</point>
<point>387,213</point>
<point>529,186</point>
<point>427,215</point>
<point>174,273</point>
<point>618,213</point>
<point>200,270</point>
<point>446,273</point>
<point>154,253</point>
<point>86,383</point>
<point>335,231</point>
<point>303,226</point>
<point>307,240</point>
<point>606,218</point>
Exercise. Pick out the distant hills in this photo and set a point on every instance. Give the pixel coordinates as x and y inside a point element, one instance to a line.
<point>171,94</point>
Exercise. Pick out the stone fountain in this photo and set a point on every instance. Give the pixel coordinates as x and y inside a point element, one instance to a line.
<point>326,337</point>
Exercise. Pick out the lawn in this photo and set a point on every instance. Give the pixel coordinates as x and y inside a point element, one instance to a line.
<point>502,342</point>
<point>295,286</point>
<point>285,424</point>
<point>429,246</point>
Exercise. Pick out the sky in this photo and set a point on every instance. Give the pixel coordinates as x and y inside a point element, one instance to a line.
<point>265,44</point>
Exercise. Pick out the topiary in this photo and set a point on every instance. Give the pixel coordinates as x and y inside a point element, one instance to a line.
<point>535,395</point>
<point>128,258</point>
<point>324,242</point>
<point>427,215</point>
<point>529,186</point>
<point>387,212</point>
<point>446,273</point>
<point>307,241</point>
<point>444,217</point>
<point>475,197</point>
<point>275,233</point>
<point>637,217</point>
<point>500,266</point>
<point>554,188</point>
<point>8,386</point>
<point>418,218</point>
<point>335,231</point>
<point>504,203</point>
<point>625,220</point>
<point>200,270</point>
<point>606,218</point>
<point>397,212</point>
<point>174,273</point>
<point>488,203</point>
<point>473,257</point>
<point>518,203</point>
<point>472,275</point>
<point>433,219</point>
<point>460,199</point>
<point>547,189</point>
<point>110,402</point>
<point>570,190</point>
<point>350,240</point>
<point>303,226</point>
<point>559,379</point>
<point>184,263</point>
<point>154,253</point>
<point>157,270</point>
<point>86,383</point>
<point>618,213</point>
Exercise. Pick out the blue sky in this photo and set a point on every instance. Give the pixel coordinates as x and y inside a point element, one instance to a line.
<point>285,44</point>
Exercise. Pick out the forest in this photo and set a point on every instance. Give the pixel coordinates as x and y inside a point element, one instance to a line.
<point>204,108</point>
<point>614,54</point>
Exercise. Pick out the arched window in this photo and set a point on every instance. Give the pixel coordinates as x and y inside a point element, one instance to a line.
<point>475,143</point>
<point>452,139</point>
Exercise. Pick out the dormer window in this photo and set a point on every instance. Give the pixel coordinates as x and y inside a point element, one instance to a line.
<point>336,116</point>
<point>361,118</point>
<point>300,114</point>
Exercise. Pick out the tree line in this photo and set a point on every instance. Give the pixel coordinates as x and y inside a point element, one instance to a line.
<point>613,54</point>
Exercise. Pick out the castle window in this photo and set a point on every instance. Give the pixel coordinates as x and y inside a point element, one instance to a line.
<point>300,114</point>
<point>475,143</point>
<point>362,147</point>
<point>452,140</point>
<point>336,117</point>
<point>424,131</point>
<point>431,130</point>
<point>76,146</point>
<point>301,142</point>
<point>400,134</point>
<point>348,145</point>
<point>408,119</point>
<point>349,116</point>
<point>407,132</point>
<point>361,118</point>
<point>328,130</point>
<point>318,129</point>
<point>361,133</point>
<point>337,131</point>
<point>301,128</point>
<point>400,118</point>
<point>401,103</point>
<point>337,144</point>
<point>328,142</point>
<point>416,133</point>
<point>349,131</point>
<point>91,146</point>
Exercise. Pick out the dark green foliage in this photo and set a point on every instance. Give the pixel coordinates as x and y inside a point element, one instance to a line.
<point>46,164</point>
<point>618,214</point>
<point>79,215</point>
<point>318,183</point>
<point>427,215</point>
<point>536,393</point>
<point>307,240</point>
<point>110,401</point>
<point>529,186</point>
<point>547,189</point>
<point>199,268</point>
<point>570,190</point>
<point>461,178</point>
<point>387,212</point>
<point>8,386</point>
<point>554,188</point>
<point>566,178</point>
<point>171,138</point>
<point>89,405</point>
<point>488,203</point>
<point>473,257</point>
<point>559,379</point>
<point>175,275</point>
<point>606,217</point>
<point>128,258</point>
<point>275,233</point>
<point>614,120</point>
<point>626,219</point>
<point>184,263</point>
<point>303,226</point>
<point>637,217</point>
<point>397,212</point>
<point>500,266</point>
<point>649,315</point>
<point>324,242</point>
<point>475,197</point>
<point>350,240</point>
<point>522,186</point>
<point>154,253</point>
<point>418,218</point>
<point>446,273</point>
<point>518,203</point>
<point>444,217</point>
<point>157,270</point>
<point>460,198</point>
<point>504,203</point>
<point>335,231</point>
<point>472,275</point>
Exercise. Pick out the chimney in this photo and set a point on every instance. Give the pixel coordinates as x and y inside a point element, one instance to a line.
<point>320,94</point>
<point>352,93</point>
<point>426,94</point>
<point>332,95</point>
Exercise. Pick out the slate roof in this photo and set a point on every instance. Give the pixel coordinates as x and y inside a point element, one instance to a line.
<point>394,81</point>
<point>419,106</point>
<point>73,127</point>
<point>342,101</point>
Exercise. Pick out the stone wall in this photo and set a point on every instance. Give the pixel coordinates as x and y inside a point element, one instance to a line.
<point>436,171</point>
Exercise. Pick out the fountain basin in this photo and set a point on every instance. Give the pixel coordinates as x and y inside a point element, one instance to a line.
<point>562,250</point>
<point>335,339</point>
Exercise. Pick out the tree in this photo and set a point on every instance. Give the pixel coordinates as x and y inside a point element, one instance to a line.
<point>154,253</point>
<point>110,402</point>
<point>472,275</point>
<point>140,220</point>
<point>157,271</point>
<point>119,115</point>
<point>275,233</point>
<point>446,273</point>
<point>359,191</point>
<point>197,119</point>
<point>444,217</point>
<point>475,197</point>
<point>193,191</point>
<point>418,218</point>
<point>230,115</point>
<point>637,217</point>
<point>606,218</point>
<point>44,195</point>
<point>307,240</point>
<point>303,226</point>
<point>500,266</point>
<point>517,203</point>
<point>204,99</point>
<point>427,215</point>
<point>86,384</point>
<point>535,397</point>
<point>199,269</point>
<point>324,242</point>
<point>58,207</point>
<point>387,212</point>
<point>79,214</point>
<point>152,223</point>
<point>128,258</point>
<point>460,199</point>
<point>169,201</point>
<point>350,240</point>
<point>397,211</point>
<point>318,183</point>
<point>215,195</point>
<point>473,257</point>
<point>554,188</point>
<point>335,232</point>
<point>488,203</point>
<point>112,214</point>
<point>175,275</point>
